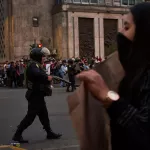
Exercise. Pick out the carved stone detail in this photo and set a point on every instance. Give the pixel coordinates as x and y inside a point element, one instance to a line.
<point>110,33</point>
<point>86,37</point>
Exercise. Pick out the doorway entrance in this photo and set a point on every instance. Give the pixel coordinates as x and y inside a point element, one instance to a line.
<point>86,37</point>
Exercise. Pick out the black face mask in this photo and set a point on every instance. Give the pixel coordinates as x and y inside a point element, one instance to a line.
<point>124,49</point>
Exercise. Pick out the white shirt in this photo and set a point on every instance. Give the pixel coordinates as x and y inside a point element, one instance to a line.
<point>48,72</point>
<point>5,68</point>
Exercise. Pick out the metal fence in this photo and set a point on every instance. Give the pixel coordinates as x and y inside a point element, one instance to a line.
<point>101,2</point>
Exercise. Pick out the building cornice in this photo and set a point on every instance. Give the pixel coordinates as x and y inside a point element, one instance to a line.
<point>90,8</point>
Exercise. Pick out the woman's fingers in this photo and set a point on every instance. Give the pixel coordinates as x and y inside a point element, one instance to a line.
<point>95,83</point>
<point>83,76</point>
<point>88,76</point>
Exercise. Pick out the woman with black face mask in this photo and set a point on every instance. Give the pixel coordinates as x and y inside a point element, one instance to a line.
<point>129,109</point>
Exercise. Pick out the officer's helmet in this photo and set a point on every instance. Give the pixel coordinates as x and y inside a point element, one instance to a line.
<point>37,54</point>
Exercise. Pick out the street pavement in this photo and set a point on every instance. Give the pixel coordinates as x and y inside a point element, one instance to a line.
<point>13,107</point>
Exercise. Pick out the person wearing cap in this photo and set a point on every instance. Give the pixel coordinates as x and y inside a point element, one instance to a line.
<point>37,82</point>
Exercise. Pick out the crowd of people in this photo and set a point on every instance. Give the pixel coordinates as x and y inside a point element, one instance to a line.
<point>12,73</point>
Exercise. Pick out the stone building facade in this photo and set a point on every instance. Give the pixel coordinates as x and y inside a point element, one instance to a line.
<point>72,27</point>
<point>19,31</point>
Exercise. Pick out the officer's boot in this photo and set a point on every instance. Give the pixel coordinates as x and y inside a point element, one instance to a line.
<point>18,136</point>
<point>73,88</point>
<point>68,86</point>
<point>52,135</point>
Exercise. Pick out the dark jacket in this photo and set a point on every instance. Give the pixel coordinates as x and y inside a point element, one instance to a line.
<point>36,79</point>
<point>36,75</point>
<point>13,73</point>
<point>130,116</point>
<point>2,73</point>
<point>71,70</point>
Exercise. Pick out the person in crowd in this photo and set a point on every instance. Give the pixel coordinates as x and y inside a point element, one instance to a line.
<point>13,75</point>
<point>86,66</point>
<point>92,63</point>
<point>62,72</point>
<point>5,72</point>
<point>52,66</point>
<point>56,68</point>
<point>97,60</point>
<point>17,64</point>
<point>81,65</point>
<point>8,74</point>
<point>77,65</point>
<point>2,74</point>
<point>21,72</point>
<point>129,109</point>
<point>37,84</point>
<point>71,75</point>
<point>48,68</point>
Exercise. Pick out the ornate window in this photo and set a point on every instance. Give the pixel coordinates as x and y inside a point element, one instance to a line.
<point>110,34</point>
<point>85,1</point>
<point>86,37</point>
<point>94,1</point>
<point>77,1</point>
<point>130,2</point>
<point>119,2</point>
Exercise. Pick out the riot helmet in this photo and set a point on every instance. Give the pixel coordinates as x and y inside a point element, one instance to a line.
<point>36,54</point>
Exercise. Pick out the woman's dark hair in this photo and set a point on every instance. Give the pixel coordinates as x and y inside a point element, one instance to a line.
<point>139,59</point>
<point>141,44</point>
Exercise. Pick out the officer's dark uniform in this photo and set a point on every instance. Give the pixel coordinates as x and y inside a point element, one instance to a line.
<point>71,75</point>
<point>36,80</point>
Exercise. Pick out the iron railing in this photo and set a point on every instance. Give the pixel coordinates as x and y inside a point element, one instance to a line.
<point>101,2</point>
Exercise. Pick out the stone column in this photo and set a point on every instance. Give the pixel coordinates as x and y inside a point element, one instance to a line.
<point>76,37</point>
<point>8,31</point>
<point>96,37</point>
<point>70,36</point>
<point>120,24</point>
<point>102,49</point>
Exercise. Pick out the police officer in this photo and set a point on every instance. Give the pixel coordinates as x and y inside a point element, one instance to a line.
<point>71,75</point>
<point>36,80</point>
